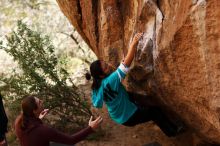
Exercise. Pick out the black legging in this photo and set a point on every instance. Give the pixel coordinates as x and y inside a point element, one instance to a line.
<point>155,114</point>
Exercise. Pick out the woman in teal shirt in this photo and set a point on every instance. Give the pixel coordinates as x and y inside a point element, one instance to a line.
<point>108,88</point>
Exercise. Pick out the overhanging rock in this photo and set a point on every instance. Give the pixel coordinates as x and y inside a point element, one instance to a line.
<point>179,53</point>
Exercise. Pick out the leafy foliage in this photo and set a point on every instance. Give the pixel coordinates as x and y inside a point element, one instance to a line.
<point>42,75</point>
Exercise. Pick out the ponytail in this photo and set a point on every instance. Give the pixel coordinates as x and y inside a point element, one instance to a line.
<point>28,106</point>
<point>88,76</point>
<point>96,82</point>
<point>22,121</point>
<point>96,71</point>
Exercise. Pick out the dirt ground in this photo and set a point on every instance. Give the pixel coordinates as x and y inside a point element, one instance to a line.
<point>119,135</point>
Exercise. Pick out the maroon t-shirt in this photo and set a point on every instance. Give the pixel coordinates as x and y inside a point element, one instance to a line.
<point>38,134</point>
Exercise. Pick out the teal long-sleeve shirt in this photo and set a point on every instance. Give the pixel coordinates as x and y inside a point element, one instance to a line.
<point>114,95</point>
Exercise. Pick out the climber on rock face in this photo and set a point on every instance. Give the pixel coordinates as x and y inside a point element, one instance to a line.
<point>108,88</point>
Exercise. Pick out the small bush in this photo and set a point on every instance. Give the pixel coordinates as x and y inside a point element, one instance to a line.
<point>42,75</point>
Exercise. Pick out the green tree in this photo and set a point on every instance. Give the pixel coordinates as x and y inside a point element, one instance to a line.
<point>41,74</point>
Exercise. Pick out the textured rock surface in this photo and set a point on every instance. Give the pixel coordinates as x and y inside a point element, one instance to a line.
<point>178,58</point>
